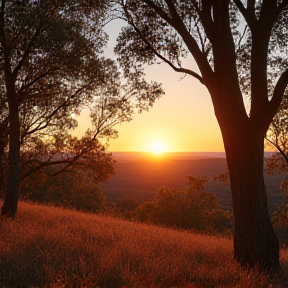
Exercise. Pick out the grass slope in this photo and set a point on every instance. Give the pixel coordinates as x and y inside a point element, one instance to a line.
<point>52,247</point>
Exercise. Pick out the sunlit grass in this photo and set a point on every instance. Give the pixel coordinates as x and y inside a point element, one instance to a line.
<point>51,247</point>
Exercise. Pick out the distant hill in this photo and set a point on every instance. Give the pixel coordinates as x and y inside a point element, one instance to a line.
<point>149,156</point>
<point>140,175</point>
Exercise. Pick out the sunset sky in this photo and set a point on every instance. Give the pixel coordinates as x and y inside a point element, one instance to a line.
<point>182,120</point>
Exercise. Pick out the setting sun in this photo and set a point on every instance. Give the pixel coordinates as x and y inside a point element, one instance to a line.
<point>157,147</point>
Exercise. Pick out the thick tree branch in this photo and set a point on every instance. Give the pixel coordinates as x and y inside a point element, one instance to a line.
<point>206,19</point>
<point>2,24</point>
<point>251,6</point>
<point>249,13</point>
<point>268,6</point>
<point>158,10</point>
<point>279,90</point>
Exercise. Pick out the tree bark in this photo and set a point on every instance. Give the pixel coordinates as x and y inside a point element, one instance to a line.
<point>3,144</point>
<point>255,243</point>
<point>2,171</point>
<point>11,200</point>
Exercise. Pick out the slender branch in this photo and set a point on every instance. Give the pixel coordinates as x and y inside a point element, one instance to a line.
<point>100,128</point>
<point>32,41</point>
<point>177,69</point>
<point>190,41</point>
<point>41,76</point>
<point>41,165</point>
<point>75,158</point>
<point>150,46</point>
<point>242,36</point>
<point>279,149</point>
<point>27,52</point>
<point>50,116</point>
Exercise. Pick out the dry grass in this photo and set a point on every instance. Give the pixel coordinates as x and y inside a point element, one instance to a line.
<point>51,247</point>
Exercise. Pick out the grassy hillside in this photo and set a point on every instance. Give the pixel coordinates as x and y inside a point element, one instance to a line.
<point>52,247</point>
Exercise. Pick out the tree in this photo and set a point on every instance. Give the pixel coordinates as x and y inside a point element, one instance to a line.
<point>41,60</point>
<point>190,208</point>
<point>240,48</point>
<point>53,66</point>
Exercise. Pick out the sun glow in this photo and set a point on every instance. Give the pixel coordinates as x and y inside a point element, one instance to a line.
<point>157,147</point>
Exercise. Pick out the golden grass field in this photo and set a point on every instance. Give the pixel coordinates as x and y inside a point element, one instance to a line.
<point>53,247</point>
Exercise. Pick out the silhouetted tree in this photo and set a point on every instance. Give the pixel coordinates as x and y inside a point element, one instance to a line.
<point>43,72</point>
<point>53,66</point>
<point>240,48</point>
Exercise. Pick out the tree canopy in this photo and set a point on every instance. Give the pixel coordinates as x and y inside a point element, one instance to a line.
<point>53,66</point>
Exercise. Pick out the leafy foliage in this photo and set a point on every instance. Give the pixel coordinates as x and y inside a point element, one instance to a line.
<point>52,54</point>
<point>74,187</point>
<point>277,164</point>
<point>277,137</point>
<point>191,208</point>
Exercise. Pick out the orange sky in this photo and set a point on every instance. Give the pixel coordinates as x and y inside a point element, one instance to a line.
<point>182,120</point>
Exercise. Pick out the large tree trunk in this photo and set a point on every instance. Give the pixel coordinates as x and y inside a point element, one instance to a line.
<point>2,170</point>
<point>255,242</point>
<point>3,144</point>
<point>11,200</point>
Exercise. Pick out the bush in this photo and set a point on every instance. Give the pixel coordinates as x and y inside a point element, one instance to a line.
<point>68,189</point>
<point>191,208</point>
